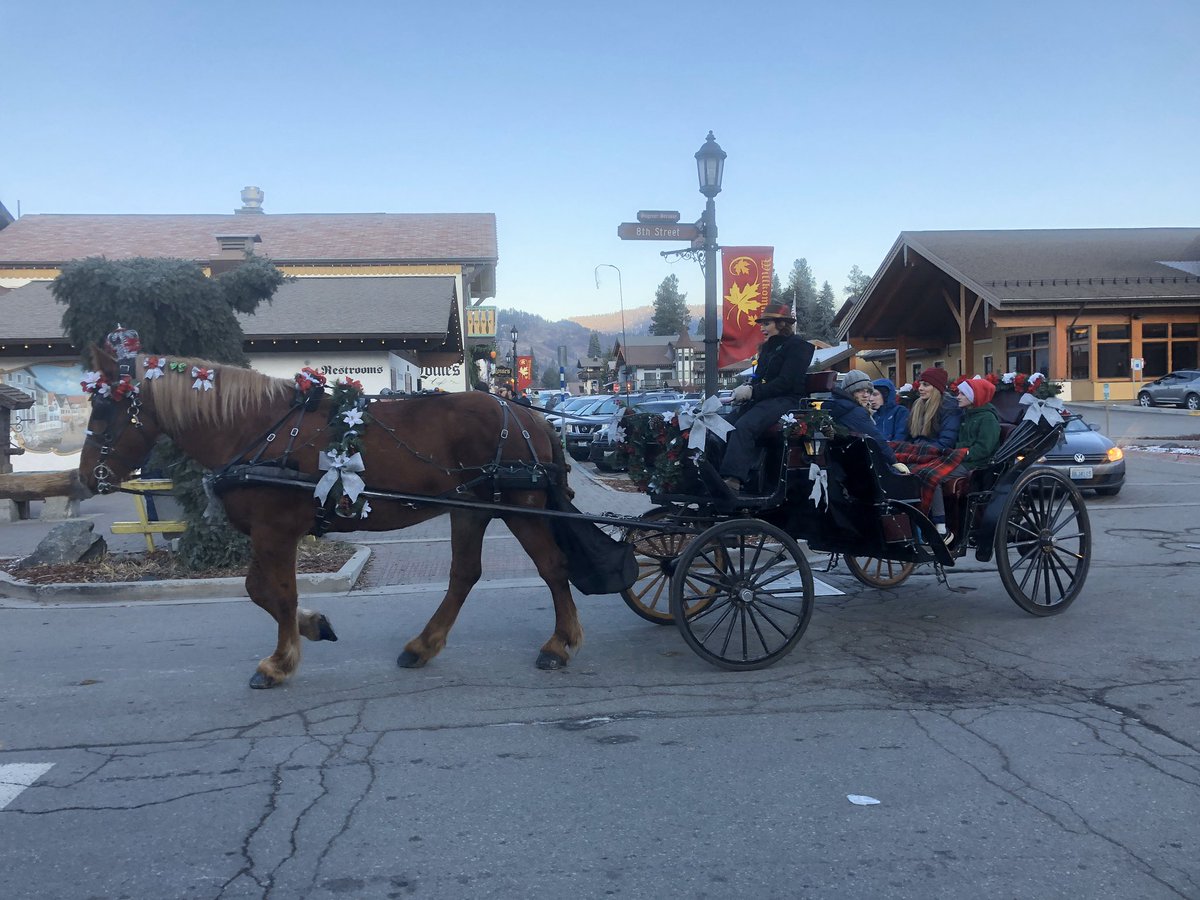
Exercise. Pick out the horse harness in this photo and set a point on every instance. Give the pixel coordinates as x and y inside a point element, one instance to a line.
<point>499,475</point>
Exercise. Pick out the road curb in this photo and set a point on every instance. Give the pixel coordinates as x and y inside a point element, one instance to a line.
<point>338,582</point>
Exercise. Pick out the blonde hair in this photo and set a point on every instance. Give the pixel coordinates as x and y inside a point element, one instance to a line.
<point>925,419</point>
<point>235,393</point>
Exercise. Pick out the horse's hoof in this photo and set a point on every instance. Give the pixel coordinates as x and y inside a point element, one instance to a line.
<point>261,682</point>
<point>409,660</point>
<point>548,660</point>
<point>325,630</point>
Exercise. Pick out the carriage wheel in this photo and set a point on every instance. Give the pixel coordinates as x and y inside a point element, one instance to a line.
<point>657,552</point>
<point>879,573</point>
<point>1043,542</point>
<point>759,592</point>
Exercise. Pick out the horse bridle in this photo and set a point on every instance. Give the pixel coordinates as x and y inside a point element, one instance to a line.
<point>102,471</point>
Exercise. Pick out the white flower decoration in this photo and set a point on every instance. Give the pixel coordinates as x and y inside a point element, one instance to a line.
<point>353,417</point>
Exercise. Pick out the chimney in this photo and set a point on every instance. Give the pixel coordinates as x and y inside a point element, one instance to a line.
<point>232,250</point>
<point>252,200</point>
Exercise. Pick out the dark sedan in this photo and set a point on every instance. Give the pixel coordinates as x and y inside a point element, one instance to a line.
<point>1088,458</point>
<point>1181,388</point>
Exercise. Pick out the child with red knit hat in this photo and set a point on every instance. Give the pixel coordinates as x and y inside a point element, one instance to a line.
<point>980,429</point>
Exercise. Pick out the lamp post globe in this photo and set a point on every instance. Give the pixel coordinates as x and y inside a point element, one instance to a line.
<point>710,166</point>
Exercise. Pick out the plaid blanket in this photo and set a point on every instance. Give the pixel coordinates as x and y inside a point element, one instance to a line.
<point>929,464</point>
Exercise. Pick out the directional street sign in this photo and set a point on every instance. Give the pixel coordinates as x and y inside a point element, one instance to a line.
<point>636,231</point>
<point>658,216</point>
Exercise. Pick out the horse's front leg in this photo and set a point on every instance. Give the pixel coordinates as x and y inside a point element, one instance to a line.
<point>466,566</point>
<point>537,538</point>
<point>271,584</point>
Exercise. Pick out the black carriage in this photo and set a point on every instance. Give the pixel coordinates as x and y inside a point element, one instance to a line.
<point>729,571</point>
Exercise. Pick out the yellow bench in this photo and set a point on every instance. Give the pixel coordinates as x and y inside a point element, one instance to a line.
<point>145,526</point>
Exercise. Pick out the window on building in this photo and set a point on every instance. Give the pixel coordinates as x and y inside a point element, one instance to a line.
<point>1079,343</point>
<point>918,368</point>
<point>1112,351</point>
<point>1028,353</point>
<point>1184,345</point>
<point>989,365</point>
<point>892,374</point>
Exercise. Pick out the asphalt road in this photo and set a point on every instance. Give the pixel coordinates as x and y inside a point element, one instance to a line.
<point>1011,756</point>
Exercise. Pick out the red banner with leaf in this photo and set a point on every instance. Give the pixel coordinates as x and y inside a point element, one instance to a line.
<point>524,372</point>
<point>746,288</point>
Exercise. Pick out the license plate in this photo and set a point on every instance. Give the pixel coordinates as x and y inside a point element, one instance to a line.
<point>1080,473</point>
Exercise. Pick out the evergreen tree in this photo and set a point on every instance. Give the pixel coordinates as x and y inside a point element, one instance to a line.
<point>776,287</point>
<point>671,314</point>
<point>823,313</point>
<point>801,292</point>
<point>857,282</point>
<point>594,345</point>
<point>700,327</point>
<point>177,311</point>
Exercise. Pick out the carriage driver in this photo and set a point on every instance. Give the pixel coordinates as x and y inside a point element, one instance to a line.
<point>779,380</point>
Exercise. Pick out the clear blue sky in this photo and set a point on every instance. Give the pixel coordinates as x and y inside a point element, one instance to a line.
<point>844,123</point>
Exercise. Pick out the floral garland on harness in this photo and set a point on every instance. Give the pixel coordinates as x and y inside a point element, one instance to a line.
<point>341,487</point>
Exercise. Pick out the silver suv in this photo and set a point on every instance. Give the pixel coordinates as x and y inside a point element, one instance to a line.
<point>587,422</point>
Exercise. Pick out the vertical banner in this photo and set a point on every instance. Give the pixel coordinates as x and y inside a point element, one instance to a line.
<point>746,288</point>
<point>524,372</point>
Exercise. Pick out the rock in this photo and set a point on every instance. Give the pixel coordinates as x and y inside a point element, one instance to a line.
<point>70,542</point>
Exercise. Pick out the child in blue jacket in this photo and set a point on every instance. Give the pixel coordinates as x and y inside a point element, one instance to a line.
<point>891,419</point>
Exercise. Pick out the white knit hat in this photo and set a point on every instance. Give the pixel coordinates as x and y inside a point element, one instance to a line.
<point>967,391</point>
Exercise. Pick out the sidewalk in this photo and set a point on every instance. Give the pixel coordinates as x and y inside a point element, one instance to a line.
<point>417,555</point>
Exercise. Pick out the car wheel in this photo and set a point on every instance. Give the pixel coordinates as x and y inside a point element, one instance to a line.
<point>1144,399</point>
<point>579,455</point>
<point>1192,401</point>
<point>1108,491</point>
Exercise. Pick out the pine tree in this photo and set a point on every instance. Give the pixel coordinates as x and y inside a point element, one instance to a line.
<point>594,345</point>
<point>671,314</point>
<point>801,292</point>
<point>857,282</point>
<point>177,311</point>
<point>823,313</point>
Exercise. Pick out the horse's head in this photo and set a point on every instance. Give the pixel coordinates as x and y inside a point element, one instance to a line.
<point>122,428</point>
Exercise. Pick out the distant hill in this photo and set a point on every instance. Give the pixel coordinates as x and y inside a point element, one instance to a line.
<point>543,337</point>
<point>637,319</point>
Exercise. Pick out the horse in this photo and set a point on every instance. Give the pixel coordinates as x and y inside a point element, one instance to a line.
<point>427,445</point>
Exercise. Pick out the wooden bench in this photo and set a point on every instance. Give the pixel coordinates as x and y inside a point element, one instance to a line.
<point>148,525</point>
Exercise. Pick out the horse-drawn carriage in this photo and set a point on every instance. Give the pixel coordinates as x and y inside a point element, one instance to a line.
<point>290,458</point>
<point>729,570</point>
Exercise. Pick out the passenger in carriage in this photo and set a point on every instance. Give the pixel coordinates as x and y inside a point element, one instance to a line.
<point>935,417</point>
<point>890,417</point>
<point>779,381</point>
<point>975,444</point>
<point>849,409</point>
<point>980,431</point>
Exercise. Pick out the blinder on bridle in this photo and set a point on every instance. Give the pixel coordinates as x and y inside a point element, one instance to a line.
<point>105,407</point>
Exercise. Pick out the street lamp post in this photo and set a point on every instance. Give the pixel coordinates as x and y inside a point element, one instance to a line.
<point>710,167</point>
<point>513,335</point>
<point>621,296</point>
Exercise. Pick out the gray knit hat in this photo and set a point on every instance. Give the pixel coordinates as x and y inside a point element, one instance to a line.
<point>856,380</point>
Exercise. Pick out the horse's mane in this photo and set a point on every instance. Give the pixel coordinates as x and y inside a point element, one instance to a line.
<point>236,392</point>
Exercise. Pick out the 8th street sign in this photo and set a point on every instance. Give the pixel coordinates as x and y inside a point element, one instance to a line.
<point>636,231</point>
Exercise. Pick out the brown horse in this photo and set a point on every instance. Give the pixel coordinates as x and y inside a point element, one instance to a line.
<point>425,445</point>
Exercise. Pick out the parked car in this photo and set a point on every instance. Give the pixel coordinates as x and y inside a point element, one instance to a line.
<point>602,451</point>
<point>589,421</point>
<point>1088,458</point>
<point>572,406</point>
<point>1181,388</point>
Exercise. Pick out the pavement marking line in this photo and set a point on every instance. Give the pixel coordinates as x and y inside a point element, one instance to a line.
<point>15,777</point>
